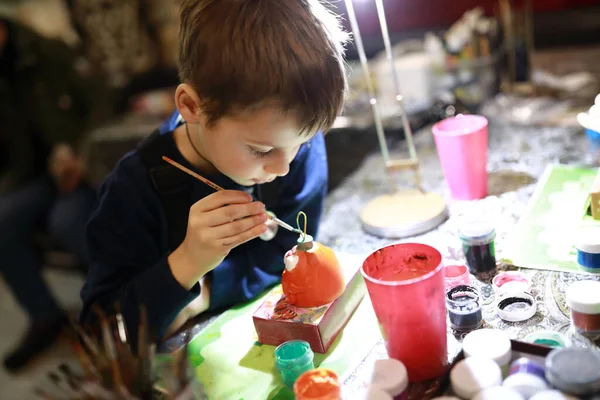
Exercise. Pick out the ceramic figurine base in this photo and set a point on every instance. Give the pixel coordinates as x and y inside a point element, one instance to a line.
<point>276,321</point>
<point>403,214</point>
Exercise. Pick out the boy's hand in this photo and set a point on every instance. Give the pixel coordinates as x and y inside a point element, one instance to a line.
<point>216,224</point>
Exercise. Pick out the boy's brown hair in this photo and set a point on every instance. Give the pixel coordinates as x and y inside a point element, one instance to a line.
<point>241,54</point>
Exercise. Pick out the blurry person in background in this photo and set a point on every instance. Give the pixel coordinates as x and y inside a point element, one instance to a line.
<point>44,106</point>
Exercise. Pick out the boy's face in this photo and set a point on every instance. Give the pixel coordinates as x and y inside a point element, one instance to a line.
<point>253,148</point>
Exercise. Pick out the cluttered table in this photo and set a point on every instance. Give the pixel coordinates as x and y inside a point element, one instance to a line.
<point>518,161</point>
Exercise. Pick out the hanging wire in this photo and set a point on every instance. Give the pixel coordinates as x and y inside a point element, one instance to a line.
<point>302,214</point>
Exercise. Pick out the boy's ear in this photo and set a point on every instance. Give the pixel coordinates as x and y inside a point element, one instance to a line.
<point>188,103</point>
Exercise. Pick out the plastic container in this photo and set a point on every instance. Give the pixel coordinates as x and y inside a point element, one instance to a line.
<point>406,286</point>
<point>464,308</point>
<point>574,371</point>
<point>588,249</point>
<point>583,299</point>
<point>511,282</point>
<point>292,359</point>
<point>455,275</point>
<point>547,338</point>
<point>498,393</point>
<point>516,307</point>
<point>489,343</point>
<point>477,237</point>
<point>474,374</point>
<point>526,377</point>
<point>318,384</point>
<point>462,143</point>
<point>390,376</point>
<point>552,395</point>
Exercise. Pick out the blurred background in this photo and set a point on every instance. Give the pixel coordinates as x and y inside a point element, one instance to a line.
<point>83,81</point>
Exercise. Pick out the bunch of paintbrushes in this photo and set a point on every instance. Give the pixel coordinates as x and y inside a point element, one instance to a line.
<point>112,370</point>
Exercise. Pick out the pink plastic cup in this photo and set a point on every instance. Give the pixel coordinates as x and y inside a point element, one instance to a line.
<point>461,144</point>
<point>406,286</point>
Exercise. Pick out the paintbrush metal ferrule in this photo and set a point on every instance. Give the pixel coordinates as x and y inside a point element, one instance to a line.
<point>285,225</point>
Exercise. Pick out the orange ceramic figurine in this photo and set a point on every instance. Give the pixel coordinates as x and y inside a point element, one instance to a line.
<point>312,276</point>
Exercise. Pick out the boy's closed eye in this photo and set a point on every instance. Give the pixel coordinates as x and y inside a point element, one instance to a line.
<point>259,153</point>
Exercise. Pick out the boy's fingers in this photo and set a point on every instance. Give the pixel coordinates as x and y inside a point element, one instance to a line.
<point>221,198</point>
<point>232,212</point>
<point>239,226</point>
<point>244,237</point>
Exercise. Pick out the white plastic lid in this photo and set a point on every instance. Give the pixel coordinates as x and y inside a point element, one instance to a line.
<point>390,375</point>
<point>588,240</point>
<point>498,393</point>
<point>511,282</point>
<point>477,231</point>
<point>584,297</point>
<point>373,393</point>
<point>488,343</point>
<point>525,384</point>
<point>551,395</point>
<point>516,307</point>
<point>471,375</point>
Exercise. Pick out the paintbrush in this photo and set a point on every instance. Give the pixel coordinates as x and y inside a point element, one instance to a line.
<point>111,352</point>
<point>219,188</point>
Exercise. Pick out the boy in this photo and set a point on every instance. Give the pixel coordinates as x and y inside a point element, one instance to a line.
<point>261,80</point>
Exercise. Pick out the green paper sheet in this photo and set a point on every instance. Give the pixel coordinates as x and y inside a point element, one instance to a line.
<point>545,234</point>
<point>231,364</point>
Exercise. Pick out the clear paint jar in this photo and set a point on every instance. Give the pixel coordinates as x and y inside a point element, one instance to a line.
<point>548,339</point>
<point>510,282</point>
<point>455,275</point>
<point>390,376</point>
<point>588,249</point>
<point>583,299</point>
<point>575,371</point>
<point>318,384</point>
<point>464,308</point>
<point>292,359</point>
<point>373,393</point>
<point>489,343</point>
<point>474,374</point>
<point>478,245</point>
<point>526,377</point>
<point>498,393</point>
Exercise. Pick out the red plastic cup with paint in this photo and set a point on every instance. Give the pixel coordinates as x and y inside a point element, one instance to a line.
<point>461,144</point>
<point>406,286</point>
<point>456,275</point>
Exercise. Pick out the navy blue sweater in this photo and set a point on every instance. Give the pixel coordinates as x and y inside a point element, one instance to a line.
<point>127,240</point>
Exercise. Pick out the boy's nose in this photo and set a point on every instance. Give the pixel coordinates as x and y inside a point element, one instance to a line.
<point>279,166</point>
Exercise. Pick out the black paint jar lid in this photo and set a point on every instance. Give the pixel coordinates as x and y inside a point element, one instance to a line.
<point>516,307</point>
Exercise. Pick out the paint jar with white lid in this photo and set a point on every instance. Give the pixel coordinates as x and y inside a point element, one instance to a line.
<point>583,299</point>
<point>552,395</point>
<point>489,343</point>
<point>471,375</point>
<point>575,371</point>
<point>390,376</point>
<point>526,377</point>
<point>498,393</point>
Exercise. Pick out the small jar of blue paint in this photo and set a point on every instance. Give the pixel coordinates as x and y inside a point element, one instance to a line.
<point>292,359</point>
<point>588,249</point>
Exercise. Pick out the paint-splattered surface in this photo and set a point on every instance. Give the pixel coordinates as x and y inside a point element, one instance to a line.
<point>518,157</point>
